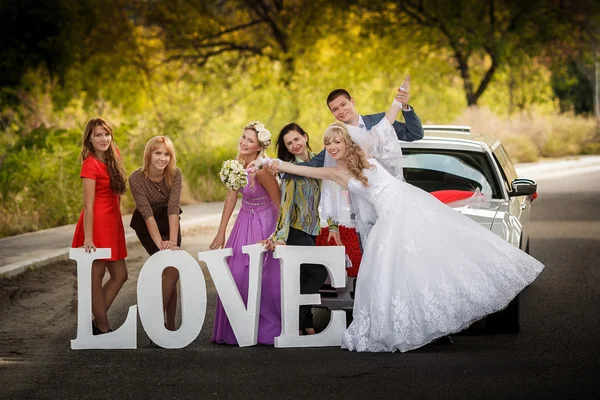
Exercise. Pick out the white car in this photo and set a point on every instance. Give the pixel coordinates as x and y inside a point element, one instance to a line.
<point>451,158</point>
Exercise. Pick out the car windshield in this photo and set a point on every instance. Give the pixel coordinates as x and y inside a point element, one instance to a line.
<point>438,169</point>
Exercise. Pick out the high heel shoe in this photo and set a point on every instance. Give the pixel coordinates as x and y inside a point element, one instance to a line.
<point>95,329</point>
<point>98,331</point>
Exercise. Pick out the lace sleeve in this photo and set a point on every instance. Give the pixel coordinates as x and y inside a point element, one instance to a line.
<point>364,214</point>
<point>386,148</point>
<point>382,144</point>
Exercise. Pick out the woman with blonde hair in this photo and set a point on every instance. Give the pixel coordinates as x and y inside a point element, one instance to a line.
<point>427,270</point>
<point>156,189</point>
<point>100,224</point>
<point>255,222</point>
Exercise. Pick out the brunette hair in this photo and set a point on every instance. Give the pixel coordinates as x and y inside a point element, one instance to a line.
<point>282,152</point>
<point>152,145</point>
<point>114,162</point>
<point>355,158</point>
<point>337,93</point>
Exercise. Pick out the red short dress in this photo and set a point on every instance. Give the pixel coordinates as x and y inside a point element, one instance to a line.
<point>108,225</point>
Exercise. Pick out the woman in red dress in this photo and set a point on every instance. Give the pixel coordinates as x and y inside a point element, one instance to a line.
<point>100,224</point>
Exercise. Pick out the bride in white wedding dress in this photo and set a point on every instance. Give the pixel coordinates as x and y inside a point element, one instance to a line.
<point>427,270</point>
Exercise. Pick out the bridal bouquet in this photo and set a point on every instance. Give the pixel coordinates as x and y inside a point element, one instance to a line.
<point>233,175</point>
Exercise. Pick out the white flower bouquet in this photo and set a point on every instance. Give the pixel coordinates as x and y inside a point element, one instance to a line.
<point>233,175</point>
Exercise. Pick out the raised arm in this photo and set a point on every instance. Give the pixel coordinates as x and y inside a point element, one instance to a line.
<point>392,113</point>
<point>412,129</point>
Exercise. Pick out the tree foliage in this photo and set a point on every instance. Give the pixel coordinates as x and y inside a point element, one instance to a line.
<point>480,36</point>
<point>199,70</point>
<point>57,34</point>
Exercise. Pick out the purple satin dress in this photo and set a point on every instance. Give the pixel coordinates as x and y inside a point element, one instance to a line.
<point>256,221</point>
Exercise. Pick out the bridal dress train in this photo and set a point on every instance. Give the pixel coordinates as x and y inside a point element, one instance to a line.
<point>427,270</point>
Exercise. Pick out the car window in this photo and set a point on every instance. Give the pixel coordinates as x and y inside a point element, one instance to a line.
<point>437,169</point>
<point>508,169</point>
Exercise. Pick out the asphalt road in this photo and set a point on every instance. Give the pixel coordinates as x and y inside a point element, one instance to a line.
<point>554,356</point>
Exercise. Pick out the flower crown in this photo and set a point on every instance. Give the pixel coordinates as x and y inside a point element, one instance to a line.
<point>263,134</point>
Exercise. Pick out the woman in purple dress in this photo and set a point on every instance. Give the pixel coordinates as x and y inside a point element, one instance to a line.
<point>255,222</point>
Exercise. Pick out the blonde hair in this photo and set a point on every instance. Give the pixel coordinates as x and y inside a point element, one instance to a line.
<point>151,146</point>
<point>261,152</point>
<point>355,158</point>
<point>114,162</point>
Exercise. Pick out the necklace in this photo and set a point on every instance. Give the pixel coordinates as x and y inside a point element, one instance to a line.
<point>157,185</point>
<point>343,171</point>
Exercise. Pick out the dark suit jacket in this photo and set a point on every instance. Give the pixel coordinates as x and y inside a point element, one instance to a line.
<point>410,131</point>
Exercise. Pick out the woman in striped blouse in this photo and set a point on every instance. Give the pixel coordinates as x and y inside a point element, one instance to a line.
<point>298,222</point>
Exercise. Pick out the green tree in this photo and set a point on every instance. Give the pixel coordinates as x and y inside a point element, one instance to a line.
<point>57,34</point>
<point>478,36</point>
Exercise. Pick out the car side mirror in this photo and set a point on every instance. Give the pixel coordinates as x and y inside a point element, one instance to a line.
<point>523,187</point>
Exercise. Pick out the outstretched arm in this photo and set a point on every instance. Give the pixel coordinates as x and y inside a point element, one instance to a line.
<point>316,161</point>
<point>331,173</point>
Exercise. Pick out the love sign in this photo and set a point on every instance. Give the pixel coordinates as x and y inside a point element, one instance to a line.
<point>243,317</point>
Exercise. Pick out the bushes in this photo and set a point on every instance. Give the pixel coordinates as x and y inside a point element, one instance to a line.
<point>41,188</point>
<point>201,169</point>
<point>569,135</point>
<point>530,136</point>
<point>521,148</point>
<point>41,136</point>
<point>38,178</point>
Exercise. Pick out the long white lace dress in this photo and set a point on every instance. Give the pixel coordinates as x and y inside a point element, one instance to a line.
<point>427,270</point>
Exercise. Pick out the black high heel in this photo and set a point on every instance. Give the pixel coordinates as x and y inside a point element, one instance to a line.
<point>95,329</point>
<point>98,331</point>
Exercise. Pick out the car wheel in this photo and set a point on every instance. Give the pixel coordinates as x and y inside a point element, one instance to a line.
<point>504,321</point>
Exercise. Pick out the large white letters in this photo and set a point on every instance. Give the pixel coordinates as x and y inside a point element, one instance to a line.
<point>122,338</point>
<point>243,320</point>
<point>291,258</point>
<point>193,298</point>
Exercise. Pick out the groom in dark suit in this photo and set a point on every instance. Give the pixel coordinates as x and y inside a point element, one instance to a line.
<point>342,106</point>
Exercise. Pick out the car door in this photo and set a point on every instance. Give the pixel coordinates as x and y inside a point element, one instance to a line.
<point>518,207</point>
